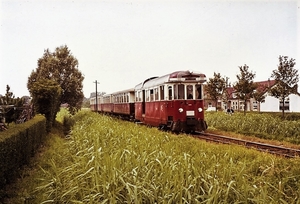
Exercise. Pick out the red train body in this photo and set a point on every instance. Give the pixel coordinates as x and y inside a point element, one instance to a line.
<point>172,102</point>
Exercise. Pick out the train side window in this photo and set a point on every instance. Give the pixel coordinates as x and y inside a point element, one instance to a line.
<point>162,93</point>
<point>198,92</point>
<point>151,95</point>
<point>156,94</point>
<point>140,96</point>
<point>170,91</point>
<point>147,95</point>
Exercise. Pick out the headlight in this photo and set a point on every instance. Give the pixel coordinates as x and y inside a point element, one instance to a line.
<point>180,110</point>
<point>200,110</point>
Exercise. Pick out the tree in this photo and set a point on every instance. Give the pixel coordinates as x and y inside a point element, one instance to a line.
<point>286,80</point>
<point>10,106</point>
<point>259,96</point>
<point>46,96</point>
<point>215,87</point>
<point>245,86</point>
<point>226,94</point>
<point>60,67</point>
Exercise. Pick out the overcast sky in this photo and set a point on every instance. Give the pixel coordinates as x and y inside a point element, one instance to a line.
<point>121,43</point>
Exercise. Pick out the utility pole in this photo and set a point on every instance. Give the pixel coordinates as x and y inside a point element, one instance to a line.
<point>96,95</point>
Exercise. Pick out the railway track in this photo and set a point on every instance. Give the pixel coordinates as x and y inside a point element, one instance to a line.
<point>272,149</point>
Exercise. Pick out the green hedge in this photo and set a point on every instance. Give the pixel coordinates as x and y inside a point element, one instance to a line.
<point>17,145</point>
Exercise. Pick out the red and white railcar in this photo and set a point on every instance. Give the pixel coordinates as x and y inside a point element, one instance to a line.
<point>174,101</point>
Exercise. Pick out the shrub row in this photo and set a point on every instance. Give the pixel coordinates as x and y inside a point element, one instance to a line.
<point>18,145</point>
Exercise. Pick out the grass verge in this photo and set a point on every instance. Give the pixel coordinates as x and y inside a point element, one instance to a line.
<point>24,189</point>
<point>110,161</point>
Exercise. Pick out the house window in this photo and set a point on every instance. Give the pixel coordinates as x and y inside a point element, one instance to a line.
<point>254,105</point>
<point>285,106</point>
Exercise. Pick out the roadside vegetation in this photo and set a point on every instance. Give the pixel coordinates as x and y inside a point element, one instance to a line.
<point>104,160</point>
<point>269,126</point>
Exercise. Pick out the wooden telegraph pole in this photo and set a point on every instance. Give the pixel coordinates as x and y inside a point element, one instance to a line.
<point>96,95</point>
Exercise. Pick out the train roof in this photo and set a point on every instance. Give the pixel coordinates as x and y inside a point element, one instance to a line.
<point>124,91</point>
<point>119,92</point>
<point>178,76</point>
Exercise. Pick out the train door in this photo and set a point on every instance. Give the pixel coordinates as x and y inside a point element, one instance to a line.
<point>143,103</point>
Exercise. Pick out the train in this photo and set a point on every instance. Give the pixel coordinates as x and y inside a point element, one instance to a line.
<point>173,102</point>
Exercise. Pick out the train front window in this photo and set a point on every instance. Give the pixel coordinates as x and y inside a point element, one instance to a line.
<point>180,91</point>
<point>190,91</point>
<point>199,94</point>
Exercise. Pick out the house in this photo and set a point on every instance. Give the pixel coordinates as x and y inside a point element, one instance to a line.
<point>269,104</point>
<point>272,104</point>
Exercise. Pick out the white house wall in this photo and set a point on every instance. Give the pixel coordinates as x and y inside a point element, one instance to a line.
<point>271,104</point>
<point>294,103</point>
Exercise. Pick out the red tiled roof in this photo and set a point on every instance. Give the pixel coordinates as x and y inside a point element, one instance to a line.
<point>230,91</point>
<point>264,85</point>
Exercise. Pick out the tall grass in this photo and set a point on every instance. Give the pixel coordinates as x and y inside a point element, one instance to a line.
<point>110,161</point>
<point>266,126</point>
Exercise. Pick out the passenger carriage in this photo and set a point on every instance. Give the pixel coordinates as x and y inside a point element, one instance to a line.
<point>123,102</point>
<point>173,101</point>
<point>95,103</point>
<point>119,103</point>
<point>106,104</point>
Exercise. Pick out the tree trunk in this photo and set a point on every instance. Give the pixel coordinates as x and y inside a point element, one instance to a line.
<point>283,108</point>
<point>245,106</point>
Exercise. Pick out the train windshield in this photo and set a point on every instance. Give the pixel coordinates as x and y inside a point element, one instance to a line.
<point>185,91</point>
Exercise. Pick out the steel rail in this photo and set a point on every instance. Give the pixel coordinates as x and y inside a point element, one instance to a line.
<point>273,149</point>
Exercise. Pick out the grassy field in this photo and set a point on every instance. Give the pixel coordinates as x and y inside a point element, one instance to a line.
<point>268,126</point>
<point>104,160</point>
